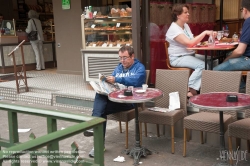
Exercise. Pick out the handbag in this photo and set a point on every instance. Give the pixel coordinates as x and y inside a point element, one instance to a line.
<point>33,34</point>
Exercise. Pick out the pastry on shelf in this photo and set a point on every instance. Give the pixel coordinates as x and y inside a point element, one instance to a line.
<point>121,42</point>
<point>99,43</point>
<point>115,12</point>
<point>123,13</point>
<point>89,44</point>
<point>129,11</point>
<point>111,28</point>
<point>130,42</point>
<point>128,27</point>
<point>99,15</point>
<point>104,44</point>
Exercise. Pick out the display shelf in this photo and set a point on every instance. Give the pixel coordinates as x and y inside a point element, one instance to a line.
<point>21,9</point>
<point>49,30</point>
<point>106,33</point>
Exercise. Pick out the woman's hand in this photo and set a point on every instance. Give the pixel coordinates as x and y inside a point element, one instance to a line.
<point>213,33</point>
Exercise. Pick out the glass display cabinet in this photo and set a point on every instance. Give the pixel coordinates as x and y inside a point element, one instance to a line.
<point>104,31</point>
<point>8,32</point>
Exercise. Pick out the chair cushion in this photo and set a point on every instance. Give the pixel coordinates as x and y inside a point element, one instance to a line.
<point>168,118</point>
<point>206,121</point>
<point>240,129</point>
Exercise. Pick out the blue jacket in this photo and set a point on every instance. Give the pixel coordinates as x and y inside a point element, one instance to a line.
<point>134,76</point>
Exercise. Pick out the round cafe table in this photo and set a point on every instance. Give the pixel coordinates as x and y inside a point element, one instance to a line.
<point>217,101</point>
<point>138,97</point>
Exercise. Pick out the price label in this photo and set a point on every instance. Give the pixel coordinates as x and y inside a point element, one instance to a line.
<point>118,24</point>
<point>93,26</point>
<point>95,12</point>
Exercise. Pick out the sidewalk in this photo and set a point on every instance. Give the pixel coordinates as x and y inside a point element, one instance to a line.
<point>197,154</point>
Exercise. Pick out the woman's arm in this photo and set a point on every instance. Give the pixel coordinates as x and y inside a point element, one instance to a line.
<point>29,27</point>
<point>184,40</point>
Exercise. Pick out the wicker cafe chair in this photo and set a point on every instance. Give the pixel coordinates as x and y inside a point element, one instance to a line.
<point>126,116</point>
<point>241,128</point>
<point>208,121</point>
<point>168,62</point>
<point>168,81</point>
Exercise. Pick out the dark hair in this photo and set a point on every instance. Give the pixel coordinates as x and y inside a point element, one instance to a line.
<point>127,48</point>
<point>1,14</point>
<point>177,10</point>
<point>245,4</point>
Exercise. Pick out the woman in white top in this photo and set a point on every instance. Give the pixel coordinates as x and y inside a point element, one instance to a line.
<point>180,37</point>
<point>37,45</point>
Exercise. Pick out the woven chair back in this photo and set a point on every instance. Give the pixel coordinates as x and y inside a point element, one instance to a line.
<point>172,81</point>
<point>221,81</point>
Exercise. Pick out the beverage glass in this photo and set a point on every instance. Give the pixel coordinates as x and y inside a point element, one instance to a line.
<point>211,41</point>
<point>219,35</point>
<point>144,87</point>
<point>226,33</point>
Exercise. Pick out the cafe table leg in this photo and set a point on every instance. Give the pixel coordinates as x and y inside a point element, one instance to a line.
<point>205,59</point>
<point>137,151</point>
<point>212,60</point>
<point>223,152</point>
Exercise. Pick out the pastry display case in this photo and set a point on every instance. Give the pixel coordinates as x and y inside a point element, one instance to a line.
<point>7,32</point>
<point>103,33</point>
<point>107,31</point>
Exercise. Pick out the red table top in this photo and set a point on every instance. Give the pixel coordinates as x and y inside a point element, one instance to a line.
<point>217,101</point>
<point>216,47</point>
<point>150,94</point>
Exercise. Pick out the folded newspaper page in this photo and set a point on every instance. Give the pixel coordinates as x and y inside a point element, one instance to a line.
<point>159,109</point>
<point>103,87</point>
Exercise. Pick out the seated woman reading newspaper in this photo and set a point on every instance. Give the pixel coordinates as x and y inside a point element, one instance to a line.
<point>129,72</point>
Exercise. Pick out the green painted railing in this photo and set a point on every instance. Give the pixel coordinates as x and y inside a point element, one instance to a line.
<point>48,145</point>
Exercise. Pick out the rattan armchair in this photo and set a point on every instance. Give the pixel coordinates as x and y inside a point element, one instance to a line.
<point>241,128</point>
<point>168,81</point>
<point>126,116</point>
<point>208,121</point>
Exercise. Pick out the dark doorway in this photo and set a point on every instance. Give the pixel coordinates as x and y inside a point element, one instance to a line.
<point>128,3</point>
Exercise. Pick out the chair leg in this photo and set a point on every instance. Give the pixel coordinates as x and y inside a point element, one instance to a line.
<point>188,135</point>
<point>248,146</point>
<point>230,149</point>
<point>120,126</point>
<point>158,130</point>
<point>238,143</point>
<point>126,135</point>
<point>184,142</point>
<point>146,129</point>
<point>172,138</point>
<point>201,136</point>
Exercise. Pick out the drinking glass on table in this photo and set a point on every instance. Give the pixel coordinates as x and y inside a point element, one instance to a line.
<point>219,35</point>
<point>226,33</point>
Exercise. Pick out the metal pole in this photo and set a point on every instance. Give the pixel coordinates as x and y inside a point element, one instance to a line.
<point>136,28</point>
<point>145,34</point>
<point>221,14</point>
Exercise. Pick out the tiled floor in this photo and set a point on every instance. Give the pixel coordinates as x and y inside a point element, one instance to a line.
<point>42,84</point>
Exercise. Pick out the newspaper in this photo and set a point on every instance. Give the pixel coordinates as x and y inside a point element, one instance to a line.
<point>159,109</point>
<point>104,87</point>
